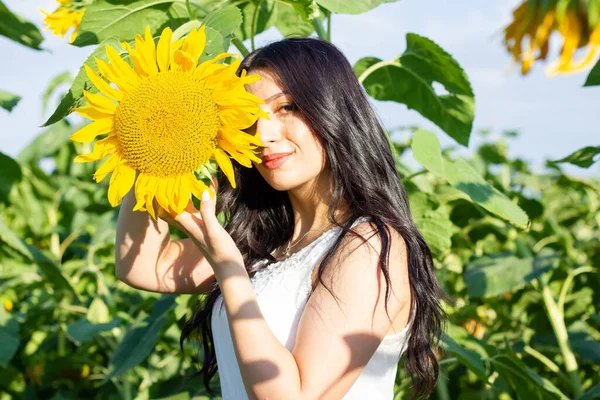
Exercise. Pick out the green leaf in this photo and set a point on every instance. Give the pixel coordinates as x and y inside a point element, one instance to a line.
<point>18,29</point>
<point>593,78</point>
<point>433,224</point>
<point>225,20</point>
<point>46,143</point>
<point>125,19</point>
<point>351,6</point>
<point>591,393</point>
<point>306,9</point>
<point>11,174</point>
<point>83,331</point>
<point>428,152</point>
<point>409,80</point>
<point>215,44</point>
<point>462,176</point>
<point>48,267</point>
<point>9,341</point>
<point>8,101</point>
<point>265,18</point>
<point>526,382</point>
<point>58,80</point>
<point>467,357</point>
<point>290,23</point>
<point>496,274</point>
<point>74,96</point>
<point>583,158</point>
<point>139,342</point>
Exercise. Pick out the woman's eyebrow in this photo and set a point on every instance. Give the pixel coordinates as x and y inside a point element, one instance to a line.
<point>275,96</point>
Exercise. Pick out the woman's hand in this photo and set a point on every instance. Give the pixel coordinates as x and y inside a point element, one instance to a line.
<point>203,227</point>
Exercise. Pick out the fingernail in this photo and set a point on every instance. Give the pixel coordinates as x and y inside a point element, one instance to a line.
<point>206,195</point>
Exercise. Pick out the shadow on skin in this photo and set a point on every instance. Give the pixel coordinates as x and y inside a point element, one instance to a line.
<point>358,344</point>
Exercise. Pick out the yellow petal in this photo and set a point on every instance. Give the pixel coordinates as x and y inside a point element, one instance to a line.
<point>147,52</point>
<point>101,84</point>
<point>124,83</point>
<point>183,60</point>
<point>107,167</point>
<point>89,132</point>
<point>90,112</point>
<point>100,102</point>
<point>121,68</point>
<point>182,193</point>
<point>102,148</point>
<point>163,49</point>
<point>138,63</point>
<point>194,43</point>
<point>208,67</point>
<point>225,165</point>
<point>197,187</point>
<point>120,184</point>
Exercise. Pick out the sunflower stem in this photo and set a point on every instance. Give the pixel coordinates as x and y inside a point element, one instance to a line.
<point>189,10</point>
<point>329,27</point>
<point>240,46</point>
<point>318,25</point>
<point>253,26</point>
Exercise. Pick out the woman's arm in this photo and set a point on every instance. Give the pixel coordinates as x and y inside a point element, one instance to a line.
<point>146,258</point>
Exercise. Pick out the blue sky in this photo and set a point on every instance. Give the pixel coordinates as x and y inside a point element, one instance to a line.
<point>555,116</point>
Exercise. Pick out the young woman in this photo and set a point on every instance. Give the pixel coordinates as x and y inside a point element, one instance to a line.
<point>319,280</point>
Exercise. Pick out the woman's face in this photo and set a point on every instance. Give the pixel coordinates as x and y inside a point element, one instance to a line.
<point>292,156</point>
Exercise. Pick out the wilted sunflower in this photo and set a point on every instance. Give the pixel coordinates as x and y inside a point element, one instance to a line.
<point>527,37</point>
<point>68,15</point>
<point>166,117</point>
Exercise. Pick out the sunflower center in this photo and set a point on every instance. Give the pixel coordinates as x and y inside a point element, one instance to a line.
<point>168,125</point>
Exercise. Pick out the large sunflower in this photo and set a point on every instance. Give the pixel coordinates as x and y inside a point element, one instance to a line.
<point>165,117</point>
<point>527,37</point>
<point>68,15</point>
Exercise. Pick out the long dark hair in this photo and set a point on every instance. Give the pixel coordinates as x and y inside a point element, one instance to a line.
<point>328,96</point>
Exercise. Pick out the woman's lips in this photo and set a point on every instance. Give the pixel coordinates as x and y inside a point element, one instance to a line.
<point>276,160</point>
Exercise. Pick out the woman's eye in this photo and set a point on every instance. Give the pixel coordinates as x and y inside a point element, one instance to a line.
<point>289,107</point>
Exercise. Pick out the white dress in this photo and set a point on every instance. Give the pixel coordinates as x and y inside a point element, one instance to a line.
<point>282,289</point>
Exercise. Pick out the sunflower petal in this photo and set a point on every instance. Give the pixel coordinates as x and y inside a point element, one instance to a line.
<point>90,112</point>
<point>121,68</point>
<point>148,52</point>
<point>102,148</point>
<point>120,184</point>
<point>100,102</point>
<point>194,43</point>
<point>163,49</point>
<point>102,85</point>
<point>107,167</point>
<point>124,83</point>
<point>225,165</point>
<point>89,132</point>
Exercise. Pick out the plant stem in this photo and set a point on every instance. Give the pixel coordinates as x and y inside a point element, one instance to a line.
<point>329,27</point>
<point>567,285</point>
<point>547,362</point>
<point>189,9</point>
<point>441,387</point>
<point>240,46</point>
<point>253,26</point>
<point>560,330</point>
<point>318,25</point>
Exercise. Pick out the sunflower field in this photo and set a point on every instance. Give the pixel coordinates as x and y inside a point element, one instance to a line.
<point>517,251</point>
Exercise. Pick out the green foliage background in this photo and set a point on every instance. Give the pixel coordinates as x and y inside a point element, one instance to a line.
<point>517,251</point>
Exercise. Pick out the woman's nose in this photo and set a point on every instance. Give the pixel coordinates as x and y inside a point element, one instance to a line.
<point>269,130</point>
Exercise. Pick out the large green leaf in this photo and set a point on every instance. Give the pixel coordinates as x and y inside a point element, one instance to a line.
<point>8,101</point>
<point>306,9</point>
<point>18,29</point>
<point>591,394</point>
<point>428,152</point>
<point>139,342</point>
<point>74,96</point>
<point>11,174</point>
<point>526,382</point>
<point>290,23</point>
<point>465,356</point>
<point>583,158</point>
<point>493,275</point>
<point>462,176</point>
<point>9,341</point>
<point>256,19</point>
<point>125,19</point>
<point>409,80</point>
<point>46,143</point>
<point>49,268</point>
<point>83,331</point>
<point>433,223</point>
<point>351,6</point>
<point>593,78</point>
<point>225,20</point>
